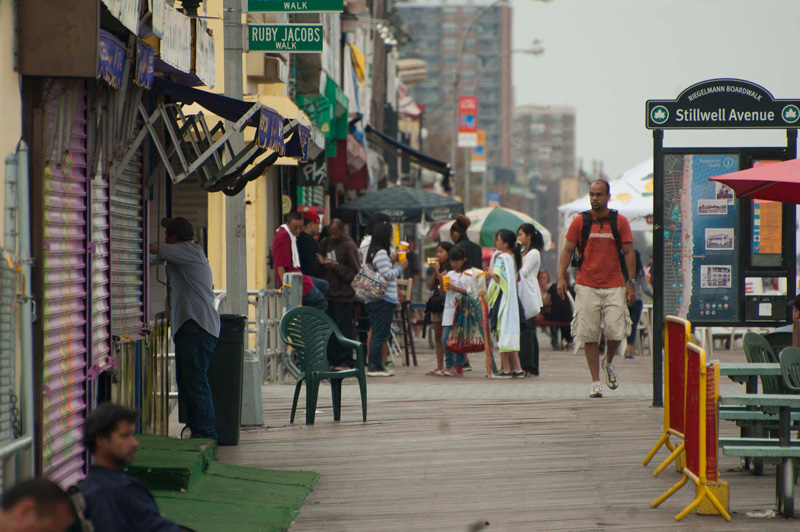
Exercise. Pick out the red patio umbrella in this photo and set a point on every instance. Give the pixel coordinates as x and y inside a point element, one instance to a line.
<point>773,181</point>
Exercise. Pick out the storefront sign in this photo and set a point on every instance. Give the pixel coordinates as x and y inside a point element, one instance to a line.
<point>477,160</point>
<point>126,11</point>
<point>493,198</point>
<point>296,38</point>
<point>204,55</point>
<point>467,121</point>
<point>112,60</point>
<point>307,6</point>
<point>315,173</point>
<point>176,46</point>
<point>157,9</point>
<point>270,131</point>
<point>145,59</point>
<point>723,104</point>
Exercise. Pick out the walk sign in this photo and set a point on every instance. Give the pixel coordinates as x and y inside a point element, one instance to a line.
<point>296,38</point>
<point>307,6</point>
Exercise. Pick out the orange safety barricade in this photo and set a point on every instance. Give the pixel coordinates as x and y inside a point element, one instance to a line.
<point>678,335</point>
<point>698,446</point>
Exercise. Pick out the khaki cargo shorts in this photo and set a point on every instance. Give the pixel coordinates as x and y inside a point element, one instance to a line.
<point>600,309</point>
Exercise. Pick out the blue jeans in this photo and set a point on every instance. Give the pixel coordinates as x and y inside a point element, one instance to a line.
<point>635,311</point>
<point>451,359</point>
<point>193,349</point>
<point>316,296</point>
<point>380,315</point>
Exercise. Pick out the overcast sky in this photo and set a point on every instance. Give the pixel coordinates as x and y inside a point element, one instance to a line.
<point>606,57</point>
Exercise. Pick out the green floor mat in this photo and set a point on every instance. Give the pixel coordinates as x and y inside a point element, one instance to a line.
<point>238,498</point>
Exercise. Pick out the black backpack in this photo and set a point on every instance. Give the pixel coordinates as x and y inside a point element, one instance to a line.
<point>586,229</point>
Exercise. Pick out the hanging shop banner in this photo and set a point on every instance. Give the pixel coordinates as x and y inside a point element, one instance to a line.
<point>176,46</point>
<point>145,60</point>
<point>296,38</point>
<point>111,64</point>
<point>701,220</point>
<point>308,6</point>
<point>126,11</point>
<point>204,55</point>
<point>297,145</point>
<point>477,158</point>
<point>157,9</point>
<point>270,131</point>
<point>467,121</point>
<point>723,104</point>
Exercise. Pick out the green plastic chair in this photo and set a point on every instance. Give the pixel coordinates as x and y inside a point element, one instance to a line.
<point>790,369</point>
<point>758,350</point>
<point>307,331</point>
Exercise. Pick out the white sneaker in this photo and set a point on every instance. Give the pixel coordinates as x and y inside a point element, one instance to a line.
<point>597,390</point>
<point>611,375</point>
<point>380,373</point>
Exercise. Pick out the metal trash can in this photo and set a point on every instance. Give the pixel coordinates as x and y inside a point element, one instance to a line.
<point>225,377</point>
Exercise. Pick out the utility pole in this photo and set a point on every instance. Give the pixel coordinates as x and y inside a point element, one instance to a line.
<point>236,217</point>
<point>235,220</point>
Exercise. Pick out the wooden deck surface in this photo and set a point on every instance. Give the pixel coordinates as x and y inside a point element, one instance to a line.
<point>467,454</point>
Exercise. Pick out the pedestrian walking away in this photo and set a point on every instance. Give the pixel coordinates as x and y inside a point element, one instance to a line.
<point>194,321</point>
<point>635,308</point>
<point>381,309</point>
<point>502,298</point>
<point>338,263</point>
<point>603,239</point>
<point>530,296</point>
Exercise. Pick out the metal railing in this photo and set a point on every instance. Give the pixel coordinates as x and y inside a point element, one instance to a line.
<point>266,308</point>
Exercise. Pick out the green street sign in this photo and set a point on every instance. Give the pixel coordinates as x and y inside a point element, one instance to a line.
<point>306,6</point>
<point>297,38</point>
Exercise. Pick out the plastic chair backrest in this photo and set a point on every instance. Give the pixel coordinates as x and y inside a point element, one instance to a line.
<point>790,368</point>
<point>307,330</point>
<point>758,351</point>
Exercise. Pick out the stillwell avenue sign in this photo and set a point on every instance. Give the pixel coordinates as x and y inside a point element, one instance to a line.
<point>297,38</point>
<point>723,104</point>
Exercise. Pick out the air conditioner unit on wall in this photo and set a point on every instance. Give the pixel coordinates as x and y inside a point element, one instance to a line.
<point>265,68</point>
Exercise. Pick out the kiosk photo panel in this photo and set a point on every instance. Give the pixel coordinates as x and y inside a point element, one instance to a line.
<point>700,228</point>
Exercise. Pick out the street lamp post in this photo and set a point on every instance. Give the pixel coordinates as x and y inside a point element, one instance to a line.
<point>456,86</point>
<point>536,49</point>
<point>456,83</point>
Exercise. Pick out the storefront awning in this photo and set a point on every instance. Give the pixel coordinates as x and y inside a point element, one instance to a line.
<point>206,152</point>
<point>407,152</point>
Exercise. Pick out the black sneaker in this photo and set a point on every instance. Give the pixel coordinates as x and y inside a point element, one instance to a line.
<point>467,367</point>
<point>519,374</point>
<point>502,375</point>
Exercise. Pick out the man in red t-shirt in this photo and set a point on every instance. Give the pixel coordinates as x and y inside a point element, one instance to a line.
<point>602,294</point>
<point>286,259</point>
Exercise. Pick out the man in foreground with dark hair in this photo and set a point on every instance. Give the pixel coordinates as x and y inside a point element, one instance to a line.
<point>115,501</point>
<point>36,505</point>
<point>194,321</point>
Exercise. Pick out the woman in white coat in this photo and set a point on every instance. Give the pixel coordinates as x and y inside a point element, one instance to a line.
<point>530,295</point>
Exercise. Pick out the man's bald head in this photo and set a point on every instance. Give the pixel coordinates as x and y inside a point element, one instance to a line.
<point>336,229</point>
